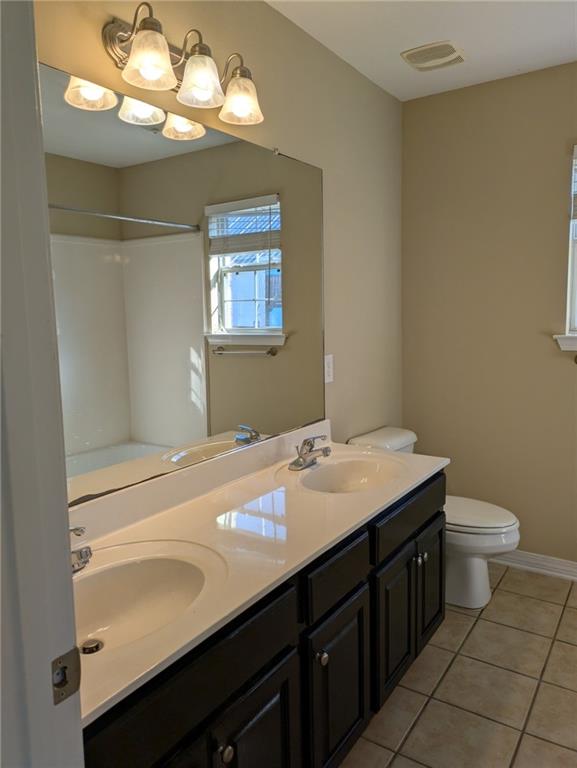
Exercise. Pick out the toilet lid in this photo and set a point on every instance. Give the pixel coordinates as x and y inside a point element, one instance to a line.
<point>474,516</point>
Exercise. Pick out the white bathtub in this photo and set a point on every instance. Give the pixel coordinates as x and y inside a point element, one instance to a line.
<point>89,461</point>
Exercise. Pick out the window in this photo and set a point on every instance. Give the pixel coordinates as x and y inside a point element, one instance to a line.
<point>572,297</point>
<point>245,265</point>
<point>568,340</point>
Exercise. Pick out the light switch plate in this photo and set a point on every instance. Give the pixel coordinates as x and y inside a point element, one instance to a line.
<point>329,369</point>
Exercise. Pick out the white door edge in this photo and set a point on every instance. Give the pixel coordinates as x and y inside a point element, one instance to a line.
<point>38,612</point>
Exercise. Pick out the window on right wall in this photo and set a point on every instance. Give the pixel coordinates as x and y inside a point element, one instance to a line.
<point>572,296</point>
<point>568,340</point>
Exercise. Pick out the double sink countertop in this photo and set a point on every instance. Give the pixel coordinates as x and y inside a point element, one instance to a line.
<point>247,537</point>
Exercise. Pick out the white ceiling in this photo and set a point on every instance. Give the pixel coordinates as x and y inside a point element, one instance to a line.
<point>101,137</point>
<point>499,38</point>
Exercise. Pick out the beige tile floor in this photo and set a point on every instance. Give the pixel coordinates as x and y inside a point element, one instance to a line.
<point>495,688</point>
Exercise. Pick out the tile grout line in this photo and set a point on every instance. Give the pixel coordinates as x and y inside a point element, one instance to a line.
<point>530,597</point>
<point>430,695</point>
<point>538,686</point>
<point>456,653</point>
<point>535,678</point>
<point>529,631</point>
<point>459,652</point>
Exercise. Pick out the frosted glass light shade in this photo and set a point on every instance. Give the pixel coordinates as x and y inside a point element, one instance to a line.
<point>83,94</point>
<point>181,129</point>
<point>139,112</point>
<point>241,105</point>
<point>200,83</point>
<point>149,65</point>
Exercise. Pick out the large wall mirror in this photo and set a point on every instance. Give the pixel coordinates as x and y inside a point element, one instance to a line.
<point>188,288</point>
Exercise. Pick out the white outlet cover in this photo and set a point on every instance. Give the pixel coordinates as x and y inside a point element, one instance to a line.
<point>329,369</point>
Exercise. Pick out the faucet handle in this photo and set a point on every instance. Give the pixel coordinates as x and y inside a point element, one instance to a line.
<point>247,435</point>
<point>317,437</point>
<point>254,433</point>
<point>77,530</point>
<point>309,442</point>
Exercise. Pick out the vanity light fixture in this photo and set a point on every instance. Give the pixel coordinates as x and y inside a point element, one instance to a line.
<point>139,112</point>
<point>148,65</point>
<point>241,105</point>
<point>200,86</point>
<point>148,61</point>
<point>83,94</point>
<point>181,128</point>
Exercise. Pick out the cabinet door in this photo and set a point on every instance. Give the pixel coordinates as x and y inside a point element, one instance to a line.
<point>338,680</point>
<point>262,728</point>
<point>192,756</point>
<point>394,601</point>
<point>430,580</point>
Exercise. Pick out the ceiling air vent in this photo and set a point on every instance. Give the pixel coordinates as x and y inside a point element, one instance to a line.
<point>433,56</point>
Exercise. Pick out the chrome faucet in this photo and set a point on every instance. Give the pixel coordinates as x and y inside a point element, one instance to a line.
<point>247,435</point>
<point>307,454</point>
<point>79,557</point>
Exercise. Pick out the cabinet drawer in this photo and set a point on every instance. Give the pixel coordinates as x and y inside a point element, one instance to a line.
<point>336,577</point>
<point>149,724</point>
<point>407,516</point>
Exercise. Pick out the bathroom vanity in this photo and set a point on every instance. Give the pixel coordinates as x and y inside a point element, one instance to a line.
<point>293,678</point>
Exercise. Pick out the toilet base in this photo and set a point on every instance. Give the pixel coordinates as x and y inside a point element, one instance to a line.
<point>467,581</point>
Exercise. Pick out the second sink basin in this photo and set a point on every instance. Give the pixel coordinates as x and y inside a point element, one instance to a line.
<point>131,590</point>
<point>351,476</point>
<point>184,457</point>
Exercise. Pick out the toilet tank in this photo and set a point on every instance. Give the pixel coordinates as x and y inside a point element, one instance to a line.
<point>387,438</point>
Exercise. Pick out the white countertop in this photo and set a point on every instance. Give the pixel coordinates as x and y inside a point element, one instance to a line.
<point>265,527</point>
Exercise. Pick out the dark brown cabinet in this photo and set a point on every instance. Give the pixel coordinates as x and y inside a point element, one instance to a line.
<point>262,728</point>
<point>394,595</point>
<point>409,605</point>
<point>191,756</point>
<point>290,683</point>
<point>338,680</point>
<point>430,580</point>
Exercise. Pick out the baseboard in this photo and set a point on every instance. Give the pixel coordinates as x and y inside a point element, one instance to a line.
<point>552,566</point>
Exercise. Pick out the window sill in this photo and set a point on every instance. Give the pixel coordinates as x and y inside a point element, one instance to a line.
<point>246,339</point>
<point>567,341</point>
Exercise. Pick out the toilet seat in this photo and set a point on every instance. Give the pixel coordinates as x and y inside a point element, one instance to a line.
<point>477,517</point>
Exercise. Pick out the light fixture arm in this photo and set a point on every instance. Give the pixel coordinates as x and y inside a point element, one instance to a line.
<point>130,37</point>
<point>198,47</point>
<point>240,71</point>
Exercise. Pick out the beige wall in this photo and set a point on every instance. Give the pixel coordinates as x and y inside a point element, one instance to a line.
<point>485,233</point>
<point>273,394</point>
<point>319,110</point>
<point>82,185</point>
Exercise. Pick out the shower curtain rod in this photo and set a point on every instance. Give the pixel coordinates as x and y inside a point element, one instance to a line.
<point>117,217</point>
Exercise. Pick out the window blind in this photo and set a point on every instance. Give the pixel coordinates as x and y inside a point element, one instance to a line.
<point>244,225</point>
<point>574,186</point>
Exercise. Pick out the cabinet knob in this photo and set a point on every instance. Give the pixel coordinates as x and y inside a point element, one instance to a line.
<point>322,658</point>
<point>425,557</point>
<point>419,561</point>
<point>227,754</point>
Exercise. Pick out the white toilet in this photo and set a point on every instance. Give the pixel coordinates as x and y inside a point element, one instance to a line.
<point>476,530</point>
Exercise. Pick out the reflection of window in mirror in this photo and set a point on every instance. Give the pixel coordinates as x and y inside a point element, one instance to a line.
<point>245,260</point>
<point>572,293</point>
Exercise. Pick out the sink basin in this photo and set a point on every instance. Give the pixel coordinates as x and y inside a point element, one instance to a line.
<point>131,590</point>
<point>351,476</point>
<point>183,457</point>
